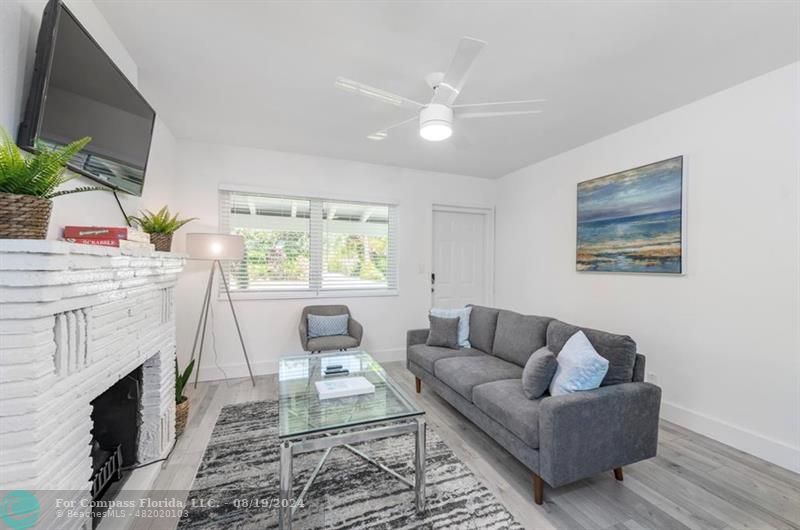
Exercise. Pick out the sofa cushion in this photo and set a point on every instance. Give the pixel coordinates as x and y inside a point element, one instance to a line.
<point>443,332</point>
<point>620,350</point>
<point>579,368</point>
<point>518,336</point>
<point>335,342</point>
<point>505,403</point>
<point>463,373</point>
<point>425,356</point>
<point>462,314</point>
<point>538,372</point>
<point>482,324</point>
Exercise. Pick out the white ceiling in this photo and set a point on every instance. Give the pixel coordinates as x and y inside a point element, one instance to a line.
<point>261,74</point>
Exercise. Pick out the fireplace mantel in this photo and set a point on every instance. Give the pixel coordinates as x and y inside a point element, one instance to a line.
<point>74,319</point>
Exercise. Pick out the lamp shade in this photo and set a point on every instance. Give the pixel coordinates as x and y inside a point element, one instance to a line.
<point>215,246</point>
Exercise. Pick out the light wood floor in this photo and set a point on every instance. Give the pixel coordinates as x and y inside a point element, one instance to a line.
<point>694,482</point>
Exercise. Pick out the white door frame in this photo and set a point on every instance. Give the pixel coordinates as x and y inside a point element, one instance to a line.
<point>488,214</point>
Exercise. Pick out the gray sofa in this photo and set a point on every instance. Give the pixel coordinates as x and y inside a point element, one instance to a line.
<point>560,439</point>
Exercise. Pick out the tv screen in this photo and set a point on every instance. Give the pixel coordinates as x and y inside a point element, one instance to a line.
<point>76,91</point>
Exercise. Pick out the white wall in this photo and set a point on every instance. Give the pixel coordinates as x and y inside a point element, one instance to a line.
<point>722,341</point>
<point>270,326</point>
<point>19,28</point>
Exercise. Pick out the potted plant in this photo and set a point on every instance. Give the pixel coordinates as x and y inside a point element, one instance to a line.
<point>181,401</point>
<point>160,226</point>
<point>28,183</point>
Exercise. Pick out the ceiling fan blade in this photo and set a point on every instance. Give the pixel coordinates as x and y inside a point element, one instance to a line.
<point>375,93</point>
<point>458,71</point>
<point>494,103</point>
<point>469,115</point>
<point>382,134</point>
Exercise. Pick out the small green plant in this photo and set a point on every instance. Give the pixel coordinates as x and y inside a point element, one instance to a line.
<point>39,174</point>
<point>181,379</point>
<point>160,222</point>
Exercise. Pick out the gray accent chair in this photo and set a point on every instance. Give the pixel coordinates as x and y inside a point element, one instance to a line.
<point>560,439</point>
<point>333,343</point>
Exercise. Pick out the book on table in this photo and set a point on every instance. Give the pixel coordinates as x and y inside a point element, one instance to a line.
<point>105,232</point>
<point>122,244</point>
<point>344,387</point>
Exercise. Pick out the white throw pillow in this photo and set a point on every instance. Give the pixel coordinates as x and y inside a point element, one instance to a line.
<point>463,321</point>
<point>580,367</point>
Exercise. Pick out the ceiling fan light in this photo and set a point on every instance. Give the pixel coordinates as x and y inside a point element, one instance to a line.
<point>435,122</point>
<point>436,131</point>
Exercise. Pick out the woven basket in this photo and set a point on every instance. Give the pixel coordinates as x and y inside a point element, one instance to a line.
<point>181,416</point>
<point>163,242</point>
<point>24,216</point>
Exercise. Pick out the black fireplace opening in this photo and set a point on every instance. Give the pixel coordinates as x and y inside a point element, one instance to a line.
<point>115,431</point>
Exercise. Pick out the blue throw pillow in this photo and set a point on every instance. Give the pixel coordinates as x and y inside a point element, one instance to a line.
<point>463,322</point>
<point>326,326</point>
<point>580,367</point>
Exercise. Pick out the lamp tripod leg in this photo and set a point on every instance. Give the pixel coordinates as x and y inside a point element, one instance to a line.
<point>236,321</point>
<point>204,319</point>
<point>202,312</point>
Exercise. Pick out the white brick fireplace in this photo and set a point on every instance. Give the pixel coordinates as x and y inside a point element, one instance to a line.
<point>74,320</point>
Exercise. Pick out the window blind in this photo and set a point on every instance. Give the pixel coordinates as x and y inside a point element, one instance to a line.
<point>276,232</point>
<point>297,244</point>
<point>357,246</point>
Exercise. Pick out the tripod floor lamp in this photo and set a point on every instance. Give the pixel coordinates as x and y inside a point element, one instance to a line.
<point>215,248</point>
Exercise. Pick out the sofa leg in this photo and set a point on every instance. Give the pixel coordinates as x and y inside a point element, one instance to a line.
<point>618,473</point>
<point>538,489</point>
<point>418,383</point>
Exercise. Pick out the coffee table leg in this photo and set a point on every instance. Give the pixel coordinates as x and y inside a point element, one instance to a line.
<point>285,508</point>
<point>419,465</point>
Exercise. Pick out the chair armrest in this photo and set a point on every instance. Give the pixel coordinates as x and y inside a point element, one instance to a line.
<point>638,368</point>
<point>303,330</point>
<point>416,336</point>
<point>584,433</point>
<point>355,329</point>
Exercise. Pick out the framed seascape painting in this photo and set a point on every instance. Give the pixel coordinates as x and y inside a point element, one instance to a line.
<point>633,221</point>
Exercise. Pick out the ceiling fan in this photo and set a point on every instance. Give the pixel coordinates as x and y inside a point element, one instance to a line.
<point>436,117</point>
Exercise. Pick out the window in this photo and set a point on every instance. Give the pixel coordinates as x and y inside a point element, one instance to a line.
<point>312,246</point>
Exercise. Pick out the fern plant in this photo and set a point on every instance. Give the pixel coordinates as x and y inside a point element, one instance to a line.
<point>160,222</point>
<point>39,174</point>
<point>181,378</point>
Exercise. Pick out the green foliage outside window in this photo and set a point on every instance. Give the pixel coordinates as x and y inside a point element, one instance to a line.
<point>284,256</point>
<point>358,256</point>
<point>274,255</point>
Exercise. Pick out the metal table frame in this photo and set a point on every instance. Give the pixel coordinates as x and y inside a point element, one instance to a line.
<point>289,448</point>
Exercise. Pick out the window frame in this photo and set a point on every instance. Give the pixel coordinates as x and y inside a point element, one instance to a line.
<point>312,292</point>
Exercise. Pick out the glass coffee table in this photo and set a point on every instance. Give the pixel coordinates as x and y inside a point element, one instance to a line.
<point>308,423</point>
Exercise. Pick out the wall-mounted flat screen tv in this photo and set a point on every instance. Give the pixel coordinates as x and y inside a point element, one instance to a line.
<point>76,91</point>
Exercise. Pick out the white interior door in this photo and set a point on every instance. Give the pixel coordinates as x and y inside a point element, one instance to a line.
<point>459,259</point>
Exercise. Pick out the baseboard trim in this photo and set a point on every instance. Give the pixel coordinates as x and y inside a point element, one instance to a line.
<point>773,451</point>
<point>214,372</point>
<point>221,372</point>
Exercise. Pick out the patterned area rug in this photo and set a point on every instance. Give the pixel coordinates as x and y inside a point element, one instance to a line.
<point>241,465</point>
